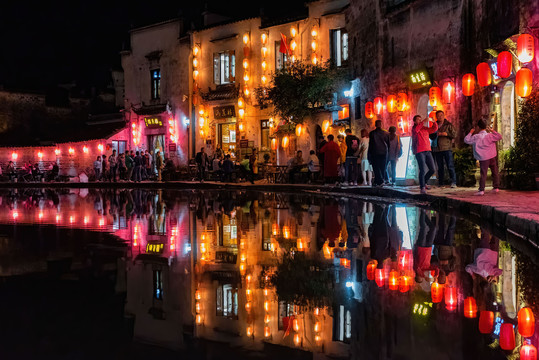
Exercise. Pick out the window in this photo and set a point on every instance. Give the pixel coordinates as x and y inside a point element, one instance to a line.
<point>266,236</point>
<point>264,134</point>
<point>339,46</point>
<point>226,301</point>
<point>156,83</point>
<point>158,284</point>
<point>119,146</point>
<point>224,67</point>
<point>285,310</point>
<point>280,58</point>
<point>342,325</point>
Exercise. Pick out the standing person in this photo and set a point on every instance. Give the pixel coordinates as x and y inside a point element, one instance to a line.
<point>97,168</point>
<point>352,152</point>
<point>121,166</point>
<point>104,174</point>
<point>201,159</point>
<point>113,165</point>
<point>332,154</point>
<point>147,165</point>
<point>253,164</point>
<point>245,168</point>
<point>342,159</point>
<point>217,166</point>
<point>484,149</point>
<point>313,165</point>
<point>228,169</point>
<point>441,149</point>
<point>394,153</point>
<point>138,162</point>
<point>294,166</point>
<point>321,156</point>
<point>158,164</point>
<point>366,167</point>
<point>378,149</point>
<point>129,164</point>
<point>422,150</point>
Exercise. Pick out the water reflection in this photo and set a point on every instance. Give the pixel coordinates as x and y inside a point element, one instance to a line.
<point>277,273</point>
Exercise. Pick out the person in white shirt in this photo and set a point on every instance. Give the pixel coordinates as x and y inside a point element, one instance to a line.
<point>313,165</point>
<point>484,149</point>
<point>97,168</point>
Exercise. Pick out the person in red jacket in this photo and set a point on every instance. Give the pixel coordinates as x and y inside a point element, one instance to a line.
<point>421,149</point>
<point>332,153</point>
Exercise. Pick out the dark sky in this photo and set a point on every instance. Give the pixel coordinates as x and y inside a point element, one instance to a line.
<point>54,42</point>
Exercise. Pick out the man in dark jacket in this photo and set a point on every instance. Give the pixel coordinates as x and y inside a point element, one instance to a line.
<point>378,150</point>
<point>442,148</point>
<point>352,153</point>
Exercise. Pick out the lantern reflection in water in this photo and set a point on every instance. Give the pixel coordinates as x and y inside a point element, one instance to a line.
<point>450,294</point>
<point>523,82</point>
<point>379,277</point>
<point>525,48</point>
<point>486,322</point>
<point>404,283</point>
<point>507,336</point>
<point>436,292</point>
<point>371,269</point>
<point>470,307</point>
<point>393,280</point>
<point>528,352</point>
<point>526,322</point>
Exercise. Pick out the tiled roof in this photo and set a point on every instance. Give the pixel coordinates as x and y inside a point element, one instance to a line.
<point>227,92</point>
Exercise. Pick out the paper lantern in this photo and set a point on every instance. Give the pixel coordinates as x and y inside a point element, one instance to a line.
<point>402,101</point>
<point>470,308</point>
<point>526,322</point>
<point>402,123</point>
<point>434,96</point>
<point>241,102</point>
<point>468,84</point>
<point>391,103</point>
<point>274,144</point>
<point>436,292</point>
<point>369,110</point>
<point>528,352</point>
<point>486,322</point>
<point>449,92</point>
<point>404,283</point>
<point>285,142</point>
<point>325,126</point>
<point>523,82</point>
<point>378,105</point>
<point>507,337</point>
<point>450,295</point>
<point>371,269</point>
<point>525,48</point>
<point>432,115</point>
<point>504,64</point>
<point>379,277</point>
<point>299,129</point>
<point>484,75</point>
<point>393,280</point>
<point>14,156</point>
<point>405,259</point>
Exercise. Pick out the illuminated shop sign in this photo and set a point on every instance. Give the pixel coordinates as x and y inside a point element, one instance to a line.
<point>222,112</point>
<point>154,248</point>
<point>153,122</point>
<point>419,78</point>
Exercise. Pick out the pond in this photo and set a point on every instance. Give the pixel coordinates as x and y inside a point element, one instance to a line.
<point>137,273</point>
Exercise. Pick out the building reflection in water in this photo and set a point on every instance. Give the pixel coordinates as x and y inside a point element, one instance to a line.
<point>403,282</point>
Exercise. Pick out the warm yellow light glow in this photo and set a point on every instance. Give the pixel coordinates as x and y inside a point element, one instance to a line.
<point>286,229</point>
<point>241,102</point>
<point>40,155</point>
<point>317,338</point>
<point>267,331</point>
<point>201,132</point>
<point>264,38</point>
<point>57,152</point>
<point>267,319</point>
<point>197,307</point>
<point>297,339</point>
<point>246,77</point>
<point>317,311</point>
<point>266,306</point>
<point>246,91</point>
<point>242,268</point>
<point>314,59</point>
<point>325,126</point>
<point>295,325</point>
<point>195,63</point>
<point>241,113</point>
<point>317,326</point>
<point>300,245</point>
<point>85,149</point>
<point>299,130</point>
<point>314,32</point>
<point>245,38</point>
<point>249,331</point>
<point>293,31</point>
<point>293,45</point>
<point>201,112</point>
<point>242,258</point>
<point>264,65</point>
<point>196,50</point>
<point>264,79</point>
<point>71,151</point>
<point>199,319</point>
<point>264,51</point>
<point>293,58</point>
<point>248,306</point>
<point>195,74</point>
<point>266,292</point>
<point>245,63</point>
<point>313,45</point>
<point>248,278</point>
<point>198,296</point>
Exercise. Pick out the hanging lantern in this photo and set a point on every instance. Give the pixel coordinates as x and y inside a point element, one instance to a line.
<point>325,126</point>
<point>402,101</point>
<point>468,84</point>
<point>263,38</point>
<point>432,115</point>
<point>293,31</point>
<point>241,102</point>
<point>391,103</point>
<point>528,352</point>
<point>526,322</point>
<point>246,38</point>
<point>504,64</point>
<point>450,294</point>
<point>470,308</point>
<point>405,256</point>
<point>434,96</point>
<point>523,82</point>
<point>264,51</point>
<point>449,92</point>
<point>299,129</point>
<point>486,322</point>
<point>393,280</point>
<point>378,105</point>
<point>484,75</point>
<point>245,63</point>
<point>371,269</point>
<point>14,156</point>
<point>436,292</point>
<point>525,48</point>
<point>404,283</point>
<point>369,110</point>
<point>402,124</point>
<point>379,277</point>
<point>507,336</point>
<point>40,155</point>
<point>264,65</point>
<point>274,144</point>
<point>241,126</point>
<point>285,142</point>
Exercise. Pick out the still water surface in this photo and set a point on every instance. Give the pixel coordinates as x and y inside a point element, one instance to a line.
<point>228,274</point>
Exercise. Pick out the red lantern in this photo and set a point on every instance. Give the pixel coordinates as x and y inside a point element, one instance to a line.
<point>434,96</point>
<point>391,103</point>
<point>523,82</point>
<point>402,101</point>
<point>470,307</point>
<point>378,105</point>
<point>405,256</point>
<point>402,123</point>
<point>274,144</point>
<point>449,92</point>
<point>371,269</point>
<point>379,277</point>
<point>528,352</point>
<point>468,84</point>
<point>369,110</point>
<point>404,283</point>
<point>432,115</point>
<point>525,48</point>
<point>484,75</point>
<point>507,337</point>
<point>486,322</point>
<point>393,280</point>
<point>504,64</point>
<point>450,294</point>
<point>526,322</point>
<point>436,292</point>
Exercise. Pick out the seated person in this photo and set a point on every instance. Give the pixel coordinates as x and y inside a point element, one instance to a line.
<point>313,165</point>
<point>216,166</point>
<point>10,170</point>
<point>245,169</point>
<point>36,172</point>
<point>228,169</point>
<point>295,165</point>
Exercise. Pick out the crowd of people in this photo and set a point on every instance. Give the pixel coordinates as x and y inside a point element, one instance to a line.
<point>129,166</point>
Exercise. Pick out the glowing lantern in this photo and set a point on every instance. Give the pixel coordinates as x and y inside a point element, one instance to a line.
<point>402,101</point>
<point>504,64</point>
<point>369,110</point>
<point>195,63</point>
<point>371,269</point>
<point>470,308</point>
<point>14,156</point>
<point>196,50</point>
<point>486,322</point>
<point>507,336</point>
<point>325,126</point>
<point>264,38</point>
<point>274,144</point>
<point>314,59</point>
<point>71,151</point>
<point>450,294</point>
<point>295,325</point>
<point>264,79</point>
<point>528,352</point>
<point>484,75</point>
<point>100,147</point>
<point>40,155</point>
<point>285,142</point>
<point>264,65</point>
<point>297,339</point>
<point>245,38</point>
<point>314,32</point>
<point>267,331</point>
<point>317,326</point>
<point>248,306</point>
<point>391,103</point>
<point>267,319</point>
<point>201,132</point>
<point>267,306</point>
<point>57,152</point>
<point>404,283</point>
<point>246,77</point>
<point>436,292</point>
<point>245,63</point>
<point>378,105</point>
<point>434,96</point>
<point>85,149</point>
<point>246,91</point>
<point>294,44</point>
<point>468,84</point>
<point>449,92</point>
<point>526,322</point>
<point>379,277</point>
<point>195,74</point>
<point>264,51</point>
<point>293,31</point>
<point>523,82</point>
<point>241,113</point>
<point>313,45</point>
<point>199,319</point>
<point>241,103</point>
<point>393,280</point>
<point>299,129</point>
<point>249,331</point>
<point>525,48</point>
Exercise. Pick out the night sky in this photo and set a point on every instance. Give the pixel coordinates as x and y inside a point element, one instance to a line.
<point>58,42</point>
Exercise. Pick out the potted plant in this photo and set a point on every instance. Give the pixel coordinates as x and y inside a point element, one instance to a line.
<point>465,166</point>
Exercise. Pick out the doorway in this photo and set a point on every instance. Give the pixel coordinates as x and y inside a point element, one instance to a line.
<point>156,142</point>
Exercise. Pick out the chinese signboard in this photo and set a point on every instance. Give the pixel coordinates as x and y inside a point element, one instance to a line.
<point>153,122</point>
<point>419,78</point>
<point>222,112</point>
<point>154,248</point>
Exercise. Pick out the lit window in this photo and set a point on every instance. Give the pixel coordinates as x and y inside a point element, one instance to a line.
<point>224,67</point>
<point>339,46</point>
<point>280,58</point>
<point>158,284</point>
<point>156,83</point>
<point>227,301</point>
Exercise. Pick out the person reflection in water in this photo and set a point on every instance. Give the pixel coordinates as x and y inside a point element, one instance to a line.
<point>378,235</point>
<point>443,245</point>
<point>423,249</point>
<point>485,256</point>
